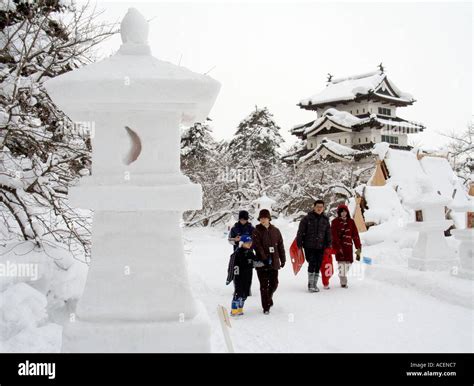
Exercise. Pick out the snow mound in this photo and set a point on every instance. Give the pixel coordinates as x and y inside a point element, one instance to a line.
<point>44,339</point>
<point>21,306</point>
<point>383,203</point>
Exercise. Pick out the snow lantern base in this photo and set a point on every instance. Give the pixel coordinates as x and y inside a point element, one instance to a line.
<point>186,336</point>
<point>431,251</point>
<point>423,264</point>
<point>466,252</point>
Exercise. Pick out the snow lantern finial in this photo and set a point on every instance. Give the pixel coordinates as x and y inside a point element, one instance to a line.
<point>134,27</point>
<point>134,32</point>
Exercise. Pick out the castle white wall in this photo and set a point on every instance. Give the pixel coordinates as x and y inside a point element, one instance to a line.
<point>358,108</point>
<point>365,136</point>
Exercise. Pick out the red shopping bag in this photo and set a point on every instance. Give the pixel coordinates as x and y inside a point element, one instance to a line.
<point>327,268</point>
<point>297,257</point>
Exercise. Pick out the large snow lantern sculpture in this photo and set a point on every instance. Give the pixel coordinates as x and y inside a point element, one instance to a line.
<point>431,251</point>
<point>137,296</point>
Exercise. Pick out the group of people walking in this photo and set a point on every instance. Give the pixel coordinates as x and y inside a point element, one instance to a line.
<point>261,247</point>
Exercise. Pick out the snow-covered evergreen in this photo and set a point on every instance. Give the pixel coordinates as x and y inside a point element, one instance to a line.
<point>198,147</point>
<point>257,137</point>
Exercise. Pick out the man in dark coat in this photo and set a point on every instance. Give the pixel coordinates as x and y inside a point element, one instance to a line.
<point>314,235</point>
<point>344,233</point>
<point>268,244</point>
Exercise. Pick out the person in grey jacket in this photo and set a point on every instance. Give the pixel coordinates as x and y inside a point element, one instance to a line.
<point>314,236</point>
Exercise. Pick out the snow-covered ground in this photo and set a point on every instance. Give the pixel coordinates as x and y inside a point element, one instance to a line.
<point>370,316</point>
<point>387,307</point>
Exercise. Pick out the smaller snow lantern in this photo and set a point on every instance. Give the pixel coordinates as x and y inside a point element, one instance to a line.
<point>264,202</point>
<point>431,251</point>
<point>466,238</point>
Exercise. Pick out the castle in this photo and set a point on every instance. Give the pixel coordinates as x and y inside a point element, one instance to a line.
<point>352,115</point>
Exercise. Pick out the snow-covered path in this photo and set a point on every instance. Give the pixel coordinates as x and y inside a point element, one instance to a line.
<point>370,316</point>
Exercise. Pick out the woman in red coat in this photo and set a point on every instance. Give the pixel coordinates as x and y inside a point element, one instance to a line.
<point>344,233</point>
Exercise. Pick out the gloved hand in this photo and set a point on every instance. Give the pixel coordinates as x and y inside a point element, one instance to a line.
<point>358,252</point>
<point>282,264</point>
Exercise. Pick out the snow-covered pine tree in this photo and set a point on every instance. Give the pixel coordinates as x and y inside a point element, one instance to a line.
<point>198,147</point>
<point>199,161</point>
<point>257,137</point>
<point>41,151</point>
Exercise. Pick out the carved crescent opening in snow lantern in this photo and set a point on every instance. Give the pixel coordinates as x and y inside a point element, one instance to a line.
<point>136,147</point>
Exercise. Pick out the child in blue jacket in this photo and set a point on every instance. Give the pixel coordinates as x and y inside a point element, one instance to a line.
<point>240,271</point>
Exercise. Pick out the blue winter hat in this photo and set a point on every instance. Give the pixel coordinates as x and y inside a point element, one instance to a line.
<point>246,239</point>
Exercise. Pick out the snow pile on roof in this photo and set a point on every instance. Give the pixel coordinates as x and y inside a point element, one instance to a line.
<point>296,151</point>
<point>301,127</point>
<point>443,178</point>
<point>348,120</point>
<point>383,204</point>
<point>405,173</point>
<point>426,196</point>
<point>315,124</point>
<point>446,182</point>
<point>400,123</point>
<point>337,148</point>
<point>345,89</point>
<point>380,149</point>
<point>342,117</point>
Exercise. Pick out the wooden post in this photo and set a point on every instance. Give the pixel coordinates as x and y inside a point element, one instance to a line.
<point>358,218</point>
<point>378,178</point>
<point>225,325</point>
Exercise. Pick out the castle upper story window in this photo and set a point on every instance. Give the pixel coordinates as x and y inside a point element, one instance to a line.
<point>390,139</point>
<point>385,111</point>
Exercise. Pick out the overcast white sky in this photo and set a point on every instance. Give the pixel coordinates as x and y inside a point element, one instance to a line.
<point>275,53</point>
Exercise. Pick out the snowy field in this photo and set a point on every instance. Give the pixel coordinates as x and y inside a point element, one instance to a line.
<point>371,316</point>
<point>387,308</point>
